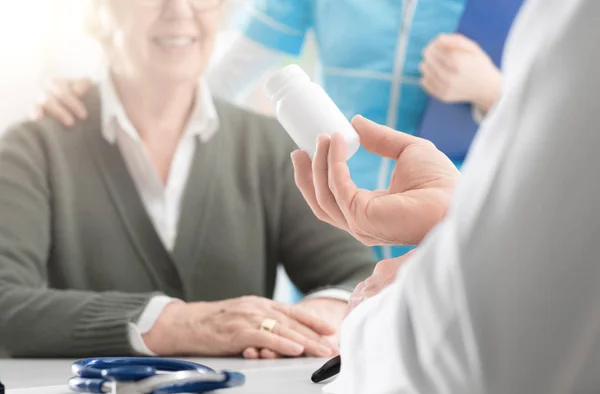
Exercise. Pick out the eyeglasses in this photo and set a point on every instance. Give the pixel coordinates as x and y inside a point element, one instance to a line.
<point>198,5</point>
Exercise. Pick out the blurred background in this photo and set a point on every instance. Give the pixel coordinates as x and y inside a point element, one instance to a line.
<point>44,39</point>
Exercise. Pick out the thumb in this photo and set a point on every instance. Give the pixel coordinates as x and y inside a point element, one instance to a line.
<point>382,140</point>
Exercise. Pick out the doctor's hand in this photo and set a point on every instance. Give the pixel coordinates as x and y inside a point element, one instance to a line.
<point>229,327</point>
<point>62,101</point>
<point>456,69</point>
<point>383,275</point>
<point>417,199</point>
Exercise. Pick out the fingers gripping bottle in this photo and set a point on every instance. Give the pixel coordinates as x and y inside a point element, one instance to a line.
<point>306,111</point>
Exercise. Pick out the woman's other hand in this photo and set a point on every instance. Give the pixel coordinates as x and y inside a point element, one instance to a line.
<point>230,327</point>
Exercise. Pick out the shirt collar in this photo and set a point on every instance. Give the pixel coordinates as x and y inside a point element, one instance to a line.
<point>203,121</point>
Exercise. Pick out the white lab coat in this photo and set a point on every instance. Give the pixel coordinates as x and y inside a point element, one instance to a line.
<point>503,296</point>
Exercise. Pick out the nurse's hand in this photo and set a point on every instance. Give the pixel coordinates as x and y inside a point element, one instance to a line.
<point>417,199</point>
<point>383,275</point>
<point>456,69</point>
<point>62,101</point>
<point>227,328</point>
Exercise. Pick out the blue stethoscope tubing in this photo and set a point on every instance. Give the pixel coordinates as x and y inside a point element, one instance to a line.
<point>93,375</point>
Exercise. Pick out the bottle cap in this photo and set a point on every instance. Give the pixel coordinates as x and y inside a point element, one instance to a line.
<point>281,77</point>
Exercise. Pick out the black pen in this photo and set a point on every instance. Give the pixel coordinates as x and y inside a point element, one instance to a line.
<point>1,388</point>
<point>328,370</point>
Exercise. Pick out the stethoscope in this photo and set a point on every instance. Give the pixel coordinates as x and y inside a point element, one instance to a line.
<point>139,375</point>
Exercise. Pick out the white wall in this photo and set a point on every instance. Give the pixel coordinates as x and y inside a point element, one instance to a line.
<point>38,39</point>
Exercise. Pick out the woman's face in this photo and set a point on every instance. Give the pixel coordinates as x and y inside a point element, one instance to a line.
<point>164,40</point>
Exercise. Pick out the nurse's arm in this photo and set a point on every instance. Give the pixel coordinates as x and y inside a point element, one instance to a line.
<point>275,29</point>
<point>240,68</point>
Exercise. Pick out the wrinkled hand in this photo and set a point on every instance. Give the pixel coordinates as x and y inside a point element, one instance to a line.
<point>417,199</point>
<point>62,101</point>
<point>456,69</point>
<point>384,275</point>
<point>329,310</point>
<point>227,328</point>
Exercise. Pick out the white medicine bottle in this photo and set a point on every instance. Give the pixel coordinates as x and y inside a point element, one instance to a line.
<point>306,111</point>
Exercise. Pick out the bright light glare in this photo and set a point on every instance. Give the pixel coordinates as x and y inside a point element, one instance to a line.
<point>23,24</point>
<point>33,38</point>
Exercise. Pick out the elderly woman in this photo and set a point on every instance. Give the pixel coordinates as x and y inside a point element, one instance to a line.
<point>157,228</point>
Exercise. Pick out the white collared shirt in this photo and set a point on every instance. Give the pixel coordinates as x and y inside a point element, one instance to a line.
<point>162,202</point>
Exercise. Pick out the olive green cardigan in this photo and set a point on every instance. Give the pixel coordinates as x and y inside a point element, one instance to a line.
<point>79,257</point>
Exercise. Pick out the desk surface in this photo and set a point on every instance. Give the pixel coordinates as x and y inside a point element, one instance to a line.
<point>290,376</point>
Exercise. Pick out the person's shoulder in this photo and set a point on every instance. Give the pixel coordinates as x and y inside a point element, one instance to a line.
<point>29,135</point>
<point>24,148</point>
<point>38,136</point>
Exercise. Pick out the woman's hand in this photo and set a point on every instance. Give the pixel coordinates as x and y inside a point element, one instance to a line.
<point>62,101</point>
<point>329,310</point>
<point>422,184</point>
<point>229,327</point>
<point>456,69</point>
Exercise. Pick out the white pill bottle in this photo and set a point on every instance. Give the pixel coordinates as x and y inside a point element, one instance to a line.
<point>306,111</point>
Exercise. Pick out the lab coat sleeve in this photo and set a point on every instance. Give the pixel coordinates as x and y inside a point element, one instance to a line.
<point>280,24</point>
<point>503,296</point>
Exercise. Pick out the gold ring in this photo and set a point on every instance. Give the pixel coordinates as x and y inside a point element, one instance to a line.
<point>268,325</point>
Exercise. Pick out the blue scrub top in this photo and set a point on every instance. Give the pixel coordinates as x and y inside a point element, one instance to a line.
<point>370,51</point>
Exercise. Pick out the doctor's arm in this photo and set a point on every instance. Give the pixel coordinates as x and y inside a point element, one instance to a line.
<point>502,296</point>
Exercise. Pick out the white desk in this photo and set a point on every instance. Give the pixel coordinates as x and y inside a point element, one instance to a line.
<point>290,376</point>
